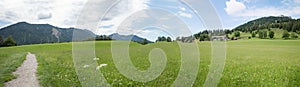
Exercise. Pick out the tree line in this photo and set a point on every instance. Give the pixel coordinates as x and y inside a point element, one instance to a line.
<point>102,37</point>
<point>201,36</point>
<point>206,35</point>
<point>164,39</point>
<point>188,39</point>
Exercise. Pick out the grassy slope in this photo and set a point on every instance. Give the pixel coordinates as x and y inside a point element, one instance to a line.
<point>248,63</point>
<point>278,34</point>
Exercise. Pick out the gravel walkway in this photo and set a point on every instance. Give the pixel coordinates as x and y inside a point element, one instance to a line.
<point>26,74</point>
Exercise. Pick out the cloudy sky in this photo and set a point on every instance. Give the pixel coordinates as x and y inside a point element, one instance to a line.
<point>132,15</point>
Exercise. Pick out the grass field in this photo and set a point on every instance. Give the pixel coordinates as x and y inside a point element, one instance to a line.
<point>250,63</point>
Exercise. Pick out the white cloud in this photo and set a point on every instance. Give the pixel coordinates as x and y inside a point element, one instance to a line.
<point>56,12</point>
<point>120,12</point>
<point>233,7</point>
<point>44,15</point>
<point>297,1</point>
<point>65,13</point>
<point>185,14</point>
<point>182,8</point>
<point>270,11</point>
<point>248,1</point>
<point>239,9</point>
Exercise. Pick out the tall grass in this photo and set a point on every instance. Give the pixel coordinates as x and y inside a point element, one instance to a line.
<point>10,60</point>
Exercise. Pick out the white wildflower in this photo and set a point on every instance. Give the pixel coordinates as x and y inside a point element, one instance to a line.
<point>101,65</point>
<point>85,66</point>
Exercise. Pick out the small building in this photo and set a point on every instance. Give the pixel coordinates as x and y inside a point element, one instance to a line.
<point>219,38</point>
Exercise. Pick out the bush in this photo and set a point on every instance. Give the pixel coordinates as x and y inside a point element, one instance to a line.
<point>265,34</point>
<point>169,39</point>
<point>9,42</point>
<point>144,42</point>
<point>260,35</point>
<point>294,35</point>
<point>1,41</point>
<point>285,35</point>
<point>204,37</point>
<point>253,34</point>
<point>271,34</point>
<point>237,34</point>
<point>298,31</point>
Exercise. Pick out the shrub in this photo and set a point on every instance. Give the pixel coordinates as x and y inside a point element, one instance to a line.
<point>285,35</point>
<point>260,35</point>
<point>144,42</point>
<point>9,42</point>
<point>265,34</point>
<point>1,41</point>
<point>204,37</point>
<point>237,34</point>
<point>253,34</point>
<point>271,34</point>
<point>294,35</point>
<point>169,39</point>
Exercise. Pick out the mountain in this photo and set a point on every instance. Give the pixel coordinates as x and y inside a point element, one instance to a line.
<point>281,22</point>
<point>24,33</point>
<point>116,36</point>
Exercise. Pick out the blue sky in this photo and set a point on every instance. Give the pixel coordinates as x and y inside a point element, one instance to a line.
<point>130,15</point>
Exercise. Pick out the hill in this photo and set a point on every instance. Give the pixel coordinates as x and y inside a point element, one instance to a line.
<point>281,22</point>
<point>25,33</point>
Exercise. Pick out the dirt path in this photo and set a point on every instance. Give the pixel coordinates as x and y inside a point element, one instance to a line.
<point>26,74</point>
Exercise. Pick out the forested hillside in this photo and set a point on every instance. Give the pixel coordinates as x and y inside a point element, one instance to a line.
<point>25,33</point>
<point>281,22</point>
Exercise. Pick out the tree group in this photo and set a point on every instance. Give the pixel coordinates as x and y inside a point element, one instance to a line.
<point>8,42</point>
<point>103,37</point>
<point>188,39</point>
<point>262,34</point>
<point>203,36</point>
<point>163,38</point>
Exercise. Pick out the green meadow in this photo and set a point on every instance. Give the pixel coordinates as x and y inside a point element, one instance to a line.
<point>249,63</point>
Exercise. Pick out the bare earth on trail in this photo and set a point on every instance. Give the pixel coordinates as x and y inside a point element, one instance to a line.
<point>26,74</point>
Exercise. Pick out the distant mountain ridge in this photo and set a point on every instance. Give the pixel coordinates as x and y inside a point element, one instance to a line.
<point>25,33</point>
<point>116,36</point>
